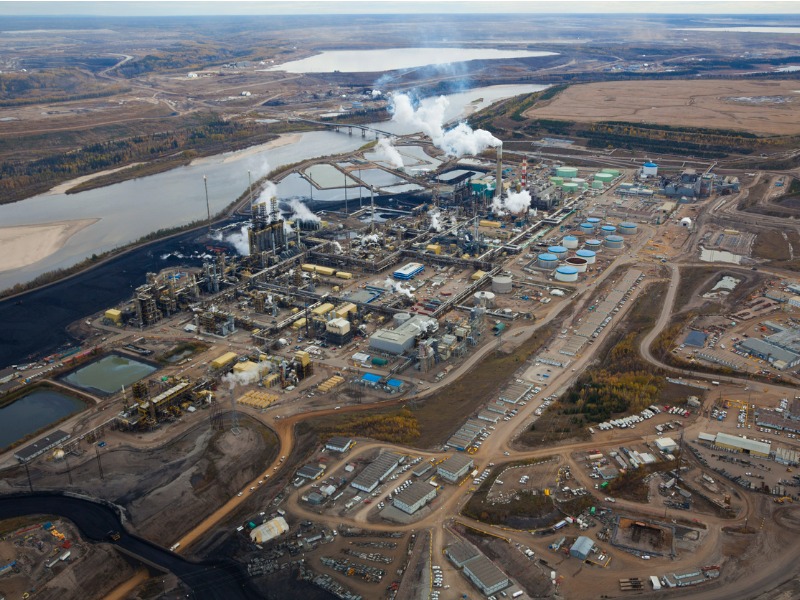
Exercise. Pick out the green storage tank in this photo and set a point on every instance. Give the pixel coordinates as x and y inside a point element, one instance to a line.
<point>557,181</point>
<point>604,177</point>
<point>567,171</point>
<point>614,172</point>
<point>379,362</point>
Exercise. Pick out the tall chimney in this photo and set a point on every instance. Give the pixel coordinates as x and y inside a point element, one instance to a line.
<point>525,173</point>
<point>498,189</point>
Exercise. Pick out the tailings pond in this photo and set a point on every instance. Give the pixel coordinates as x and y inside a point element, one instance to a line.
<point>35,411</point>
<point>108,375</point>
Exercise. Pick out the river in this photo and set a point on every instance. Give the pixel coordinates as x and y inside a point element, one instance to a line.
<point>132,209</point>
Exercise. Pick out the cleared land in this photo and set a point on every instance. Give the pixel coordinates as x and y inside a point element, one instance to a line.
<point>761,107</point>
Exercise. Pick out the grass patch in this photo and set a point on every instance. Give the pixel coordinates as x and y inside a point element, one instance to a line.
<point>690,279</point>
<point>400,427</point>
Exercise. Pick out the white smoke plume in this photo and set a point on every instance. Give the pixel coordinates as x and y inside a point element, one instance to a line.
<point>436,223</point>
<point>243,378</point>
<point>338,248</point>
<point>370,239</point>
<point>240,241</point>
<point>300,211</point>
<point>269,191</point>
<point>429,119</point>
<point>398,287</point>
<point>375,93</point>
<point>515,203</point>
<point>386,150</point>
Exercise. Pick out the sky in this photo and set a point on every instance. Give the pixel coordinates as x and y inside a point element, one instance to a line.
<point>259,7</point>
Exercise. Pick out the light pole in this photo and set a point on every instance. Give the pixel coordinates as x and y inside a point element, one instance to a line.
<point>208,206</point>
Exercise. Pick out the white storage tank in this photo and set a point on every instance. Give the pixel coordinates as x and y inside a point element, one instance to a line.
<point>588,255</point>
<point>570,242</point>
<point>593,244</point>
<point>649,169</point>
<point>579,263</point>
<point>559,251</point>
<point>628,228</point>
<point>567,274</point>
<point>501,284</point>
<point>546,260</point>
<point>485,299</point>
<point>400,318</point>
<point>615,241</point>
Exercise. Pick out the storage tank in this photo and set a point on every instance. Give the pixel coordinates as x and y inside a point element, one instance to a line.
<point>570,242</point>
<point>400,318</point>
<point>615,241</point>
<point>559,251</point>
<point>604,177</point>
<point>608,229</point>
<point>586,228</point>
<point>628,228</point>
<point>485,299</point>
<point>590,256</point>
<point>566,273</point>
<point>570,187</point>
<point>593,244</point>
<point>593,220</point>
<point>614,172</point>
<point>598,185</point>
<point>501,284</point>
<point>649,169</point>
<point>567,172</point>
<point>686,222</point>
<point>557,181</point>
<point>578,263</point>
<point>547,260</point>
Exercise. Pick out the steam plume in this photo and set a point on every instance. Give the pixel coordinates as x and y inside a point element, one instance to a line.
<point>515,203</point>
<point>386,150</point>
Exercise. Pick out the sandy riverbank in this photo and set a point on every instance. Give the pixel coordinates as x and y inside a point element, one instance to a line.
<point>24,245</point>
<point>62,188</point>
<point>284,140</point>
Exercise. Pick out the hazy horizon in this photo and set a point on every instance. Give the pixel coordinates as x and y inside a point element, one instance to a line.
<point>392,7</point>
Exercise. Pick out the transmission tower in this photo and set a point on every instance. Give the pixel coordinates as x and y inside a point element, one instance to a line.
<point>235,416</point>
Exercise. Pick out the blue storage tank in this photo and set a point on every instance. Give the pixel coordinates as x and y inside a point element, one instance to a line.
<point>559,251</point>
<point>628,228</point>
<point>615,241</point>
<point>570,242</point>
<point>593,220</point>
<point>590,256</point>
<point>608,229</point>
<point>566,274</point>
<point>587,228</point>
<point>593,244</point>
<point>547,260</point>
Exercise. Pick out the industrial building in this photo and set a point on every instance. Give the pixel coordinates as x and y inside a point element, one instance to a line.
<point>376,471</point>
<point>310,472</point>
<point>485,575</point>
<point>741,444</point>
<point>338,444</point>
<point>408,271</point>
<point>781,350</point>
<point>461,552</point>
<point>455,467</point>
<point>401,339</point>
<point>269,530</point>
<point>666,445</point>
<point>582,548</point>
<point>414,497</point>
<point>40,446</point>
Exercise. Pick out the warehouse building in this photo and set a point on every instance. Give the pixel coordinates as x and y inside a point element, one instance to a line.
<point>41,446</point>
<point>409,271</point>
<point>338,444</point>
<point>460,553</point>
<point>311,472</point>
<point>376,471</point>
<point>414,497</point>
<point>455,467</point>
<point>777,356</point>
<point>741,444</point>
<point>269,530</point>
<point>582,548</point>
<point>401,339</point>
<point>485,575</point>
<point>666,445</point>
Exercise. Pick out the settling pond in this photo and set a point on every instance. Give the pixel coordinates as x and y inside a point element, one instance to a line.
<point>35,411</point>
<point>107,375</point>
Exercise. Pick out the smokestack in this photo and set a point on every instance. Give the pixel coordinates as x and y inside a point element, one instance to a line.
<point>524,173</point>
<point>498,190</point>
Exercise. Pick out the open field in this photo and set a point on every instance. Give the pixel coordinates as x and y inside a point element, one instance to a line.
<point>761,107</point>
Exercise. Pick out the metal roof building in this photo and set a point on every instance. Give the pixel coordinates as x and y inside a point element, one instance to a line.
<point>338,444</point>
<point>41,446</point>
<point>401,339</point>
<point>455,467</point>
<point>376,471</point>
<point>582,548</point>
<point>310,471</point>
<point>460,553</point>
<point>414,497</point>
<point>269,530</point>
<point>741,444</point>
<point>769,351</point>
<point>486,576</point>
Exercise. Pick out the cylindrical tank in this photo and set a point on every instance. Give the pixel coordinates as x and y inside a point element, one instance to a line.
<point>400,318</point>
<point>628,228</point>
<point>566,274</point>
<point>501,284</point>
<point>590,256</point>
<point>557,181</point>
<point>570,242</point>
<point>587,228</point>
<point>604,177</point>
<point>593,244</point>
<point>485,299</point>
<point>567,172</point>
<point>570,187</point>
<point>578,263</point>
<point>614,172</point>
<point>580,181</point>
<point>686,222</point>
<point>598,185</point>
<point>593,220</point>
<point>546,260</point>
<point>608,229</point>
<point>649,169</point>
<point>559,251</point>
<point>615,241</point>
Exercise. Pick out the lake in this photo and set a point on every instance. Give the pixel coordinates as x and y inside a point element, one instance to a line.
<point>391,59</point>
<point>108,375</point>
